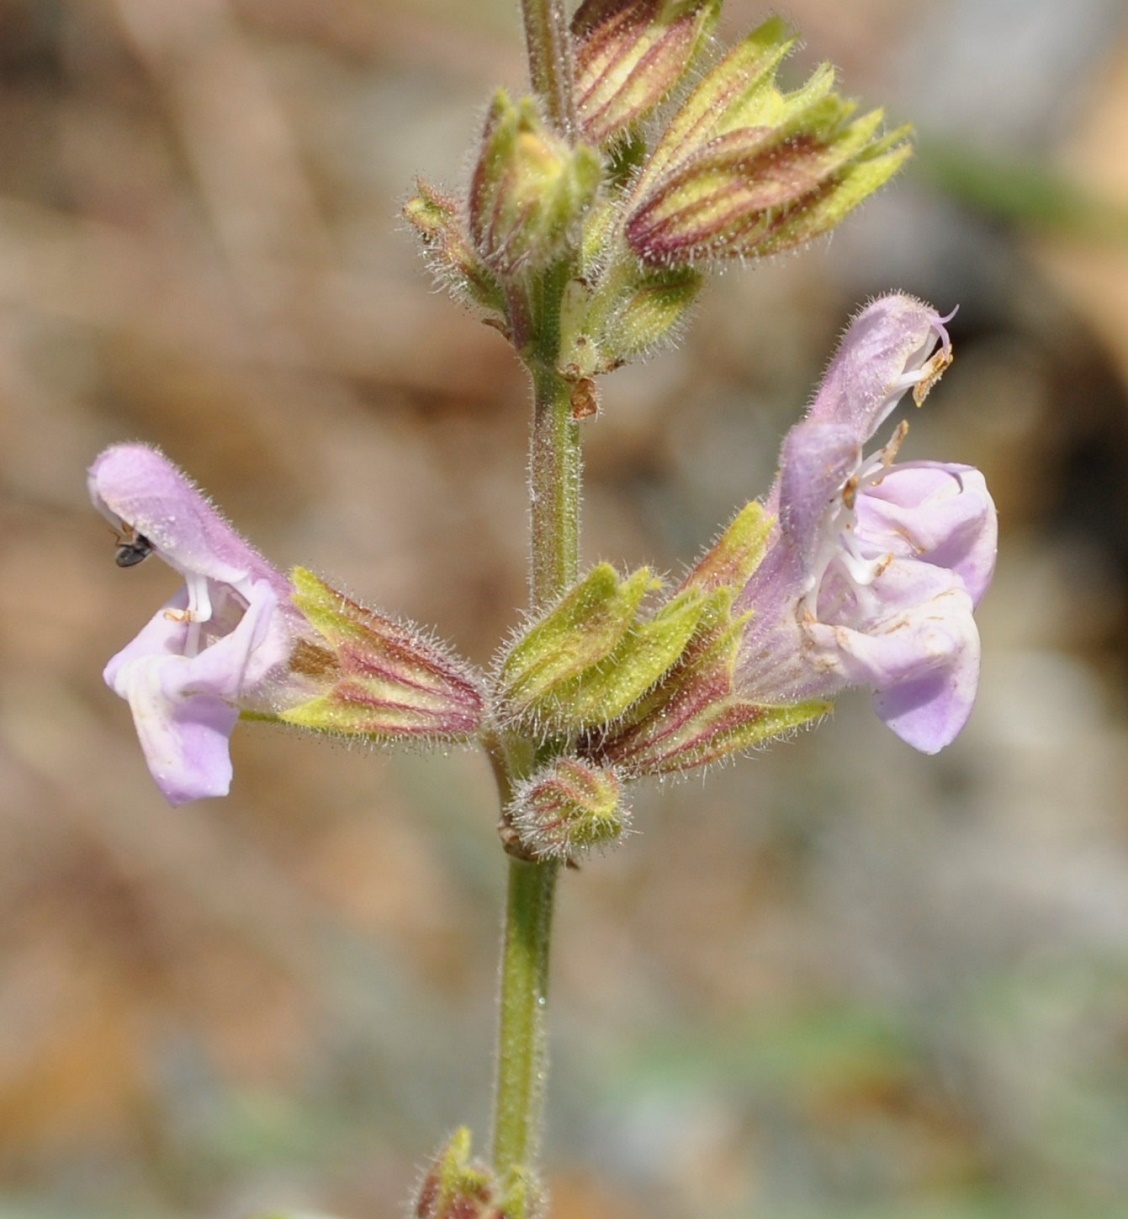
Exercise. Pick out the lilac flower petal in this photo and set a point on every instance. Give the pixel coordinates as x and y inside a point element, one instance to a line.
<point>235,662</point>
<point>138,488</point>
<point>165,634</point>
<point>185,740</point>
<point>941,514</point>
<point>185,706</point>
<point>930,712</point>
<point>884,347</point>
<point>815,460</point>
<point>914,642</point>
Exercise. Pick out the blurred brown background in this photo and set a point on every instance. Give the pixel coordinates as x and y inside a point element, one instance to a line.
<point>837,980</point>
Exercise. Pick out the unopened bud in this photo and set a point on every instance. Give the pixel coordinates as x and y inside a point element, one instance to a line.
<point>381,679</point>
<point>567,808</point>
<point>456,1186</point>
<point>745,169</point>
<point>623,316</point>
<point>530,189</point>
<point>651,311</point>
<point>630,54</point>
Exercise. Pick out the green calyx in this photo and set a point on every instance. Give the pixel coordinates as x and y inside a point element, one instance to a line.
<point>455,1186</point>
<point>596,658</point>
<point>738,92</point>
<point>736,554</point>
<point>745,169</point>
<point>630,54</point>
<point>438,221</point>
<point>566,808</point>
<point>865,172</point>
<point>695,715</point>
<point>375,677</point>
<point>594,653</point>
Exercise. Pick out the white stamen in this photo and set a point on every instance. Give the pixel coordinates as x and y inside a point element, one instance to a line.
<point>836,537</point>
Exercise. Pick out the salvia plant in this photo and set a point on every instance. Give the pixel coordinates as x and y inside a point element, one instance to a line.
<point>641,160</point>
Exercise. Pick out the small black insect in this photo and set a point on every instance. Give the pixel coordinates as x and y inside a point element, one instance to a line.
<point>130,553</point>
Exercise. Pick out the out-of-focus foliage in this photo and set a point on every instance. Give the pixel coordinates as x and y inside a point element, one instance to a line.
<point>838,980</point>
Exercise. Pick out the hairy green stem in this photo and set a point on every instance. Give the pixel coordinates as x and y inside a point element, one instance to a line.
<point>522,1056</point>
<point>554,519</point>
<point>554,477</point>
<point>549,47</point>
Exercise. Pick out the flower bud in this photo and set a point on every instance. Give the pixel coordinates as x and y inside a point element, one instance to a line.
<point>651,312</point>
<point>378,677</point>
<point>566,808</point>
<point>745,170</point>
<point>438,220</point>
<point>530,188</point>
<point>630,54</point>
<point>593,654</point>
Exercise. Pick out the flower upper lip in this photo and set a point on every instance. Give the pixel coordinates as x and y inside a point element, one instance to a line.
<point>140,491</point>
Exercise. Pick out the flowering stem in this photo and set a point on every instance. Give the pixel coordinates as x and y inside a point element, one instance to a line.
<point>554,520</point>
<point>522,1058</point>
<point>554,474</point>
<point>550,60</point>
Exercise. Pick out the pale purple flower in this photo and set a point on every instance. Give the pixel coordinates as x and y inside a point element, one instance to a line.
<point>221,644</point>
<point>873,568</point>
